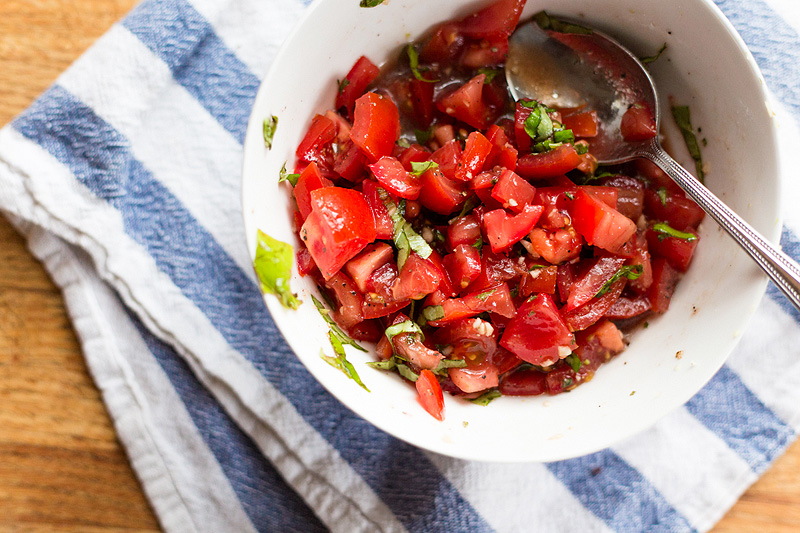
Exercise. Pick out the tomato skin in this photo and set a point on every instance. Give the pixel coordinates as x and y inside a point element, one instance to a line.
<point>440,194</point>
<point>430,394</point>
<point>316,144</point>
<point>638,123</point>
<point>463,265</point>
<point>393,177</point>
<point>354,84</point>
<point>444,45</point>
<point>476,150</point>
<point>448,157</point>
<point>348,313</point>
<point>413,154</point>
<point>550,164</point>
<point>310,179</point>
<point>466,103</point>
<point>361,267</point>
<point>677,252</point>
<point>384,228</point>
<point>524,382</point>
<point>378,298</point>
<point>600,224</point>
<point>349,162</point>
<point>587,314</point>
<point>583,123</point>
<point>624,307</point>
<point>665,278</point>
<point>464,230</point>
<point>495,20</point>
<point>539,280</point>
<point>585,287</point>
<point>475,377</point>
<point>513,192</point>
<point>504,230</point>
<point>485,53</point>
<point>376,125</point>
<point>503,153</point>
<point>675,209</point>
<point>339,226</point>
<point>630,198</point>
<point>537,331</point>
<point>495,299</point>
<point>417,279</point>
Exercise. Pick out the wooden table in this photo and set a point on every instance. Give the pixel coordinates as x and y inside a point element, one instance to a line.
<point>61,466</point>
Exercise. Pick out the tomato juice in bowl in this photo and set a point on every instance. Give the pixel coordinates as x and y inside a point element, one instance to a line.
<point>648,379</point>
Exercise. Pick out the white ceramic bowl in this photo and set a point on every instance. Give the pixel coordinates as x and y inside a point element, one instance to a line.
<point>706,66</point>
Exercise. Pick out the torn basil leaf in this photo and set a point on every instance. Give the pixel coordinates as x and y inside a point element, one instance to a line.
<point>406,326</point>
<point>273,266</point>
<point>486,398</point>
<point>405,238</point>
<point>649,59</point>
<point>343,337</point>
<point>286,176</point>
<point>683,119</point>
<point>418,168</point>
<point>270,125</point>
<point>631,272</point>
<point>546,22</point>
<point>574,362</point>
<point>370,3</point>
<point>413,62</point>
<point>664,230</point>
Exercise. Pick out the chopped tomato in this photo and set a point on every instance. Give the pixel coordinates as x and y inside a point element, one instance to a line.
<point>630,198</point>
<point>444,45</point>
<point>430,394</point>
<point>558,246</point>
<point>310,179</point>
<point>638,123</point>
<point>495,20</point>
<point>466,103</point>
<point>475,153</point>
<point>537,333</point>
<point>463,265</point>
<point>376,125</point>
<point>393,177</point>
<point>418,278</point>
<point>600,224</point>
<point>349,162</point>
<point>384,228</point>
<point>556,162</point>
<point>361,267</point>
<point>354,84</point>
<point>379,300</point>
<point>413,154</point>
<point>421,96</point>
<point>598,274</point>
<point>440,194</point>
<point>582,124</point>
<point>348,313</point>
<point>339,226</point>
<point>503,153</point>
<point>665,278</point>
<point>524,382</point>
<point>485,53</point>
<point>504,230</point>
<point>624,307</point>
<point>513,192</point>
<point>674,209</point>
<point>587,314</point>
<point>677,251</point>
<point>475,377</point>
<point>316,145</point>
<point>540,278</point>
<point>464,230</point>
<point>448,157</point>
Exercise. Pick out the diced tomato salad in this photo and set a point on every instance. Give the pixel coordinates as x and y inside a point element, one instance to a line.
<point>461,231</point>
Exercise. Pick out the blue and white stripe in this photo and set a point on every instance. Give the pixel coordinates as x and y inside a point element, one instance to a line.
<point>225,428</point>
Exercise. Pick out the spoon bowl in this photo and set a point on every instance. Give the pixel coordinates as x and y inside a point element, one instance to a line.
<point>584,67</point>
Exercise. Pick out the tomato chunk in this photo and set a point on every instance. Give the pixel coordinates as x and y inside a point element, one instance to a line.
<point>513,192</point>
<point>504,230</point>
<point>391,174</point>
<point>476,151</point>
<point>310,179</point>
<point>537,333</point>
<point>550,164</point>
<point>600,224</point>
<point>430,394</point>
<point>355,83</point>
<point>466,103</point>
<point>339,226</point>
<point>638,123</point>
<point>376,125</point>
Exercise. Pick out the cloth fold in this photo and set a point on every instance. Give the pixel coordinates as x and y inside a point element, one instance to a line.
<point>124,177</point>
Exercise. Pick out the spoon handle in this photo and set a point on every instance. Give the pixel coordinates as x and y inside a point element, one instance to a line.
<point>781,269</point>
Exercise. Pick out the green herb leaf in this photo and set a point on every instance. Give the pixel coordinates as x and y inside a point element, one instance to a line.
<point>343,337</point>
<point>370,3</point>
<point>413,62</point>
<point>270,125</point>
<point>573,361</point>
<point>546,22</point>
<point>446,364</point>
<point>564,136</point>
<point>423,136</point>
<point>682,118</point>
<point>406,326</point>
<point>631,272</point>
<point>664,231</point>
<point>407,373</point>
<point>389,364</point>
<point>285,176</point>
<point>490,74</point>
<point>662,195</point>
<point>343,364</point>
<point>433,312</point>
<point>405,238</point>
<point>273,266</point>
<point>418,168</point>
<point>341,85</point>
<point>486,398</point>
<point>649,59</point>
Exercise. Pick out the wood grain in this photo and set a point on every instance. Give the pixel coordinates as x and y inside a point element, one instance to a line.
<point>61,466</point>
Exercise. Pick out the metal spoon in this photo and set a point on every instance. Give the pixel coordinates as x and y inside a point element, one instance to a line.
<point>573,69</point>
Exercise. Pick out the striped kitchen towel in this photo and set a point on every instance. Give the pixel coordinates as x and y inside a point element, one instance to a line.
<point>124,176</point>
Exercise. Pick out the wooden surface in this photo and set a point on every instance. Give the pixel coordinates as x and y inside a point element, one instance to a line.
<point>61,466</point>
